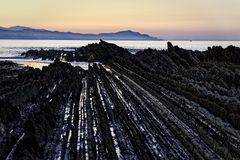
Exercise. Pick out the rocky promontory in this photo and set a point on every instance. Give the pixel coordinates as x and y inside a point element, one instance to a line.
<point>96,52</point>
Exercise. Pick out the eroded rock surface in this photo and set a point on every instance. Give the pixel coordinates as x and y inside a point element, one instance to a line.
<point>169,104</point>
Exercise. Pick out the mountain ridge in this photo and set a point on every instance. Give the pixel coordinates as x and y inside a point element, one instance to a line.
<point>23,32</point>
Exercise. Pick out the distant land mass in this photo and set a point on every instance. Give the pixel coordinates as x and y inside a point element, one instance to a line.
<point>22,32</point>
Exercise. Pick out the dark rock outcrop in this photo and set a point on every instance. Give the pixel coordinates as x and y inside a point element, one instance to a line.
<point>230,54</point>
<point>100,52</point>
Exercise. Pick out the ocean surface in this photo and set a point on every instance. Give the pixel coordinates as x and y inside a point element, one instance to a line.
<point>14,48</point>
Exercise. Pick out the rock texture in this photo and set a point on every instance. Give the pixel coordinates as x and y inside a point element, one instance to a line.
<point>169,104</point>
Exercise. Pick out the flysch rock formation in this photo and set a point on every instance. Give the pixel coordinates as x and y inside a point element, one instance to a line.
<point>168,104</point>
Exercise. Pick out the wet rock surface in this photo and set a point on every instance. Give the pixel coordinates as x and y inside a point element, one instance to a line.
<point>30,104</point>
<point>169,104</point>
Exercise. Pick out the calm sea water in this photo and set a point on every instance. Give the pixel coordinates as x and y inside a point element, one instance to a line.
<point>12,48</point>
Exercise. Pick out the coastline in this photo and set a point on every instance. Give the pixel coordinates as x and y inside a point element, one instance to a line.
<point>165,102</point>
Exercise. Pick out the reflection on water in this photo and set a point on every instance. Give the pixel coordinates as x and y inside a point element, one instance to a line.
<point>31,64</point>
<point>38,63</point>
<point>28,62</point>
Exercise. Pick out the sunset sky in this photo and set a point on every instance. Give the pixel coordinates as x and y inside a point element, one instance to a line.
<point>170,19</point>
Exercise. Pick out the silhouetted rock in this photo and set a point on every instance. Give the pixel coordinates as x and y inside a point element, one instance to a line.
<point>170,47</point>
<point>230,54</point>
<point>101,51</point>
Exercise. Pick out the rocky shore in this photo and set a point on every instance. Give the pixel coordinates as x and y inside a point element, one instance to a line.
<point>101,51</point>
<point>168,104</point>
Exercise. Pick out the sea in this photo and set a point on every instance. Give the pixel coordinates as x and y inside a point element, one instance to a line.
<point>12,49</point>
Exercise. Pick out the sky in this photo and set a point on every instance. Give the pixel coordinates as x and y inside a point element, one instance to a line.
<point>168,19</point>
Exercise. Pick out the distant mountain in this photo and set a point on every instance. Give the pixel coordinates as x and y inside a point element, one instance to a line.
<point>21,32</point>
